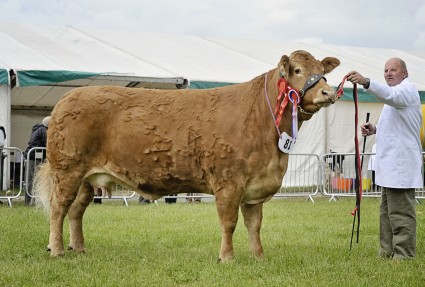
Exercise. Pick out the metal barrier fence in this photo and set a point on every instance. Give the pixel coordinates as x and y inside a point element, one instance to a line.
<point>302,178</point>
<point>36,156</point>
<point>11,174</point>
<point>339,175</point>
<point>119,192</point>
<point>190,197</point>
<point>332,174</point>
<point>420,192</point>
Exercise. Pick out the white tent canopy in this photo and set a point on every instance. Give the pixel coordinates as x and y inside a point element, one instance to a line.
<point>39,64</point>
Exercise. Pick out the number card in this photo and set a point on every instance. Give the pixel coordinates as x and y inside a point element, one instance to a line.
<point>286,142</point>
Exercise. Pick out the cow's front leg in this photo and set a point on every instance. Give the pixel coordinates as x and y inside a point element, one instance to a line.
<point>227,207</point>
<point>253,216</point>
<point>75,216</point>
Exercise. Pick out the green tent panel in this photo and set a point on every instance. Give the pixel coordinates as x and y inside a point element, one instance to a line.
<point>347,96</point>
<point>4,77</point>
<point>40,78</point>
<point>207,85</point>
<point>366,97</point>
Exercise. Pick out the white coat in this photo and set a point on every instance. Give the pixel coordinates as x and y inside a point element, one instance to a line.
<point>398,146</point>
<point>371,164</point>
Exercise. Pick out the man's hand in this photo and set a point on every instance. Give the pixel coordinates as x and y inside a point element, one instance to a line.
<point>368,129</point>
<point>356,78</point>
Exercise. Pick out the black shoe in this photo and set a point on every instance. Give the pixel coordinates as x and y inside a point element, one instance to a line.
<point>97,200</point>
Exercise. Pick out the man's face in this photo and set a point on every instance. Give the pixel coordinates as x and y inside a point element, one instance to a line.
<point>394,72</point>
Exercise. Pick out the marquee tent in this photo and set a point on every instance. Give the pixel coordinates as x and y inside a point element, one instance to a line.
<point>39,64</point>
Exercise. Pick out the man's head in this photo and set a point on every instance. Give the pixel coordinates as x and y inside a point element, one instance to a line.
<point>45,121</point>
<point>395,71</point>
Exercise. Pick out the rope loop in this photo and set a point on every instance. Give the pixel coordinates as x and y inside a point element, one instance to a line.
<point>293,92</point>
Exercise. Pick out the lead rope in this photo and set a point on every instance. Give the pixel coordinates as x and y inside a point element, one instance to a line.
<point>358,163</point>
<point>286,94</point>
<point>270,106</point>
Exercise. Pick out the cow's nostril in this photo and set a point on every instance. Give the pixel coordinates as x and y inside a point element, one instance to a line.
<point>325,93</point>
<point>328,94</point>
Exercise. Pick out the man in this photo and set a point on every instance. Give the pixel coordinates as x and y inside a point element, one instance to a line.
<point>398,157</point>
<point>38,139</point>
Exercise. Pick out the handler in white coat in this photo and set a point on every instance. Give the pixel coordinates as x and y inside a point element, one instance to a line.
<point>398,157</point>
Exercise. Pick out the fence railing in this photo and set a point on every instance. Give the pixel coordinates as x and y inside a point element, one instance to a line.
<point>332,175</point>
<point>11,172</point>
<point>34,158</point>
<point>119,192</point>
<point>339,175</point>
<point>302,178</point>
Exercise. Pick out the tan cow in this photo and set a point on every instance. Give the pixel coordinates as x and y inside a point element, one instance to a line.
<point>220,141</point>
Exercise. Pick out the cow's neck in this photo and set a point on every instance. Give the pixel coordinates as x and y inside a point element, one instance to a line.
<point>272,93</point>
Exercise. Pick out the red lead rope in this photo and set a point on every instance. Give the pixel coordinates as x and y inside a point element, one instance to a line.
<point>358,166</point>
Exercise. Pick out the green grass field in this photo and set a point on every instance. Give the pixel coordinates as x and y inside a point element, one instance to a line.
<point>305,244</point>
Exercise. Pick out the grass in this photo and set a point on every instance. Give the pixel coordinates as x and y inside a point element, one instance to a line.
<point>305,244</point>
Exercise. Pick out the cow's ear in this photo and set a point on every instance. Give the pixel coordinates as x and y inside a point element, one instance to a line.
<point>330,63</point>
<point>283,66</point>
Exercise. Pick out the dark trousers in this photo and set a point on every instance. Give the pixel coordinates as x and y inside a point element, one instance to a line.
<point>398,223</point>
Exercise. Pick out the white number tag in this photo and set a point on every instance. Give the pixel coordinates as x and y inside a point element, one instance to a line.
<point>286,143</point>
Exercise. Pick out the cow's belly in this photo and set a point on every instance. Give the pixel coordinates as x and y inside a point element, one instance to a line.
<point>173,185</point>
<point>260,193</point>
<point>144,183</point>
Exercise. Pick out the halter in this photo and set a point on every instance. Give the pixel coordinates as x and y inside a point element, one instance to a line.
<point>312,80</point>
<point>285,91</point>
<point>288,94</point>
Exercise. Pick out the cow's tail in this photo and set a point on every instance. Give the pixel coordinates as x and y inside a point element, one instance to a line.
<point>43,185</point>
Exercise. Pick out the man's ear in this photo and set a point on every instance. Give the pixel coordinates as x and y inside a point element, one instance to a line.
<point>405,74</point>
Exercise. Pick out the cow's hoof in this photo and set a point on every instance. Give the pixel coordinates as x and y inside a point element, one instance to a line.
<point>259,258</point>
<point>57,254</point>
<point>77,249</point>
<point>224,260</point>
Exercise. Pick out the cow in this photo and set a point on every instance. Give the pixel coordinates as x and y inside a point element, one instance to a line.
<point>220,141</point>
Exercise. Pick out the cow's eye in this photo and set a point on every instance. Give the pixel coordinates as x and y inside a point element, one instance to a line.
<point>297,71</point>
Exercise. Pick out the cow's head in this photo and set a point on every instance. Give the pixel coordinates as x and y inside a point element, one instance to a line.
<point>306,74</point>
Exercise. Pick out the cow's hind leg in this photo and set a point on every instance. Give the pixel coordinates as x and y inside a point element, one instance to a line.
<point>75,216</point>
<point>253,216</point>
<point>63,195</point>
